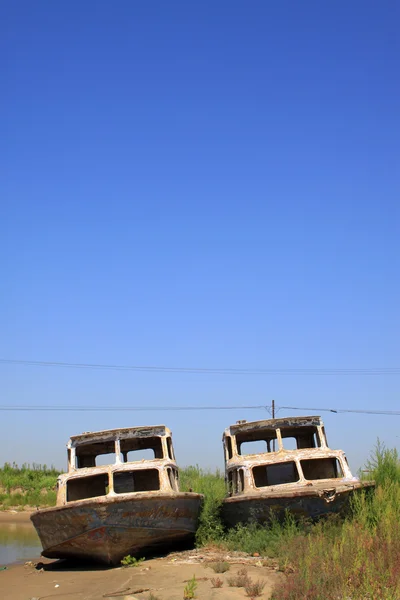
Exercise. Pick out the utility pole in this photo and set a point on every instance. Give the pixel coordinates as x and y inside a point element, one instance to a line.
<point>273,416</point>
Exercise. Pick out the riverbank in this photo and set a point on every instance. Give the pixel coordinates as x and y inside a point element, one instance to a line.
<point>157,579</point>
<point>16,516</point>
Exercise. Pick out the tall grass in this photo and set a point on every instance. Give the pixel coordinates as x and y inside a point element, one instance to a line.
<point>31,485</point>
<point>358,558</point>
<point>212,485</point>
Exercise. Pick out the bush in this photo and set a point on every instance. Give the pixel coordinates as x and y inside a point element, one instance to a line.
<point>220,567</point>
<point>241,579</point>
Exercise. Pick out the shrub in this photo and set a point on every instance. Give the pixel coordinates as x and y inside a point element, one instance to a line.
<point>241,579</point>
<point>131,561</point>
<point>254,589</point>
<point>217,582</point>
<point>220,567</point>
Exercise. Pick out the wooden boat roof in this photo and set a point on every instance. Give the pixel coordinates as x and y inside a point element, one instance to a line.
<point>120,433</point>
<point>272,424</point>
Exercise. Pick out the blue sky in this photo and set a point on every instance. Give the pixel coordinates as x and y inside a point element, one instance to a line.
<point>210,184</point>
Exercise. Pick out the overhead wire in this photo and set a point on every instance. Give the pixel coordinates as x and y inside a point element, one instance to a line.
<point>77,408</point>
<point>204,370</point>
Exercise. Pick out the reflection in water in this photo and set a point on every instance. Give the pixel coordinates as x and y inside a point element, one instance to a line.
<point>18,541</point>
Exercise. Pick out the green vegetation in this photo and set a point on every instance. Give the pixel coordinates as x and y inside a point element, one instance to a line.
<point>220,566</point>
<point>358,558</point>
<point>189,591</point>
<point>212,485</point>
<point>29,485</point>
<point>131,561</point>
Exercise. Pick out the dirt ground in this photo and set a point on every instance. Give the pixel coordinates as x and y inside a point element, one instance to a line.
<point>164,577</point>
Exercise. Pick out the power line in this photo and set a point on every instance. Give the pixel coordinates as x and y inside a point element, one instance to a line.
<point>343,410</point>
<point>203,370</point>
<point>55,408</point>
<point>126,408</point>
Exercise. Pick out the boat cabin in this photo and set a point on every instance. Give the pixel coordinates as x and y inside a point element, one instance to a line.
<point>118,461</point>
<point>280,452</point>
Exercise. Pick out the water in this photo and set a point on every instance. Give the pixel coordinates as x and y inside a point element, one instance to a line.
<point>18,542</point>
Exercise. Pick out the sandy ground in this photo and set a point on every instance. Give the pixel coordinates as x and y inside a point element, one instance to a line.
<point>164,577</point>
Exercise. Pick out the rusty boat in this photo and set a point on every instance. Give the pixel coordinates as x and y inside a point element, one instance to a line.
<point>131,505</point>
<point>279,465</point>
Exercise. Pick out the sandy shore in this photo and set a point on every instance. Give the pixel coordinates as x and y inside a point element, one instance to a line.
<point>10,516</point>
<point>164,577</point>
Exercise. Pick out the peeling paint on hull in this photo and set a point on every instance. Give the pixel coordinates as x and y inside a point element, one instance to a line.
<point>106,530</point>
<point>306,503</point>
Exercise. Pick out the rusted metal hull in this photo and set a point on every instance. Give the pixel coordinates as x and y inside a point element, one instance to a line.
<point>106,530</point>
<point>303,503</point>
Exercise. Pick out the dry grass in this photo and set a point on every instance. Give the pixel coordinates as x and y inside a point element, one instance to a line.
<point>216,582</point>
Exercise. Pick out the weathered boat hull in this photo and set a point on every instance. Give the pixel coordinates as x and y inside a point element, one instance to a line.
<point>305,502</point>
<point>106,530</point>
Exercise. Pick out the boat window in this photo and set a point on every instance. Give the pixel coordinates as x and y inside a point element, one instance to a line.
<point>105,459</point>
<point>132,449</point>
<point>142,480</point>
<point>275,474</point>
<point>240,480</point>
<point>136,455</point>
<point>170,449</point>
<point>321,468</point>
<point>173,478</point>
<point>228,446</point>
<point>257,444</point>
<point>87,487</point>
<point>230,483</point>
<point>92,455</point>
<point>300,438</point>
<point>235,481</point>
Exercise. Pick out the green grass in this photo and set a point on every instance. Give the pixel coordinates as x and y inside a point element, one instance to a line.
<point>28,485</point>
<point>212,485</point>
<point>357,558</point>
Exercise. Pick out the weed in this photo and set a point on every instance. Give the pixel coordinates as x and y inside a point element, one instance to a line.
<point>220,567</point>
<point>217,582</point>
<point>358,557</point>
<point>153,597</point>
<point>190,589</point>
<point>254,589</point>
<point>212,485</point>
<point>241,579</point>
<point>131,561</point>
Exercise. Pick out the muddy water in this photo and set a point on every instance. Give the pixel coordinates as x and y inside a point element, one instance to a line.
<point>18,542</point>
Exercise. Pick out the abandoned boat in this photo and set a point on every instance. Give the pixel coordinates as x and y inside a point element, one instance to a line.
<point>280,465</point>
<point>131,505</point>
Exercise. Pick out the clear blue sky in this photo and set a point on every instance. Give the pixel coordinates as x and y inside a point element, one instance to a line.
<point>210,184</point>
